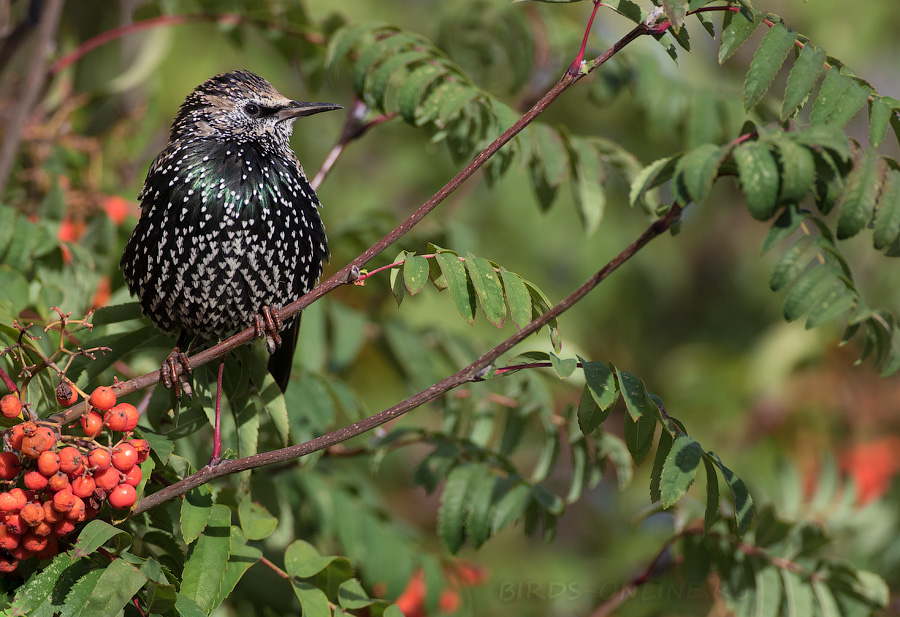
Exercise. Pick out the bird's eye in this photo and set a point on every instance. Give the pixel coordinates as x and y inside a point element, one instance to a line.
<point>252,109</point>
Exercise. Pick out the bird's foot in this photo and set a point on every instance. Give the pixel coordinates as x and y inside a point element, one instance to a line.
<point>171,377</point>
<point>268,323</point>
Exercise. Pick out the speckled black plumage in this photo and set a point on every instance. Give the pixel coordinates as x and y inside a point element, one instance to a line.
<point>229,222</point>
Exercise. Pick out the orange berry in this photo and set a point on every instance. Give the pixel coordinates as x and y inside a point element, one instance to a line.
<point>143,448</point>
<point>35,480</point>
<point>50,514</point>
<point>92,424</point>
<point>99,459</point>
<point>58,482</point>
<point>48,463</point>
<point>33,543</point>
<point>134,476</point>
<point>40,440</point>
<point>20,497</point>
<point>63,528</point>
<point>20,553</point>
<point>8,564</point>
<point>77,511</point>
<point>14,523</point>
<point>107,479</point>
<point>66,395</point>
<point>8,503</point>
<point>124,456</point>
<point>70,461</point>
<point>103,398</point>
<point>123,496</point>
<point>83,486</point>
<point>43,528</point>
<point>15,435</point>
<point>32,514</point>
<point>10,406</point>
<point>63,500</point>
<point>9,465</point>
<point>49,551</point>
<point>8,539</point>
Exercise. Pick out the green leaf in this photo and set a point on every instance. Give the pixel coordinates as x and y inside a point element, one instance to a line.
<point>798,171</point>
<point>712,495</point>
<point>115,588</point>
<point>240,559</point>
<point>633,391</point>
<point>743,503</point>
<point>480,500</point>
<point>95,534</point>
<point>651,176</point>
<point>196,508</point>
<point>78,595</point>
<point>784,226</point>
<point>838,299</point>
<point>488,289</point>
<point>807,290</point>
<point>767,61</point>
<point>736,29</point>
<point>758,173</point>
<point>312,600</point>
<point>396,278</point>
<point>256,522</point>
<point>458,284</point>
<point>588,192</point>
<point>377,82</point>
<point>343,41</point>
<point>663,447</point>
<point>301,559</point>
<point>517,297</point>
<point>639,436</point>
<point>510,507</point>
<point>849,103</point>
<point>679,470</point>
<point>39,588</point>
<point>803,76</point>
<point>204,569</point>
<point>563,367</point>
<point>675,10</point>
<point>602,383</point>
<point>699,168</point>
<point>351,595</point>
<point>887,215</point>
<point>451,515</point>
<point>879,116</point>
<point>613,447</point>
<point>590,416</point>
<point>413,89</point>
<point>768,591</point>
<point>791,264</point>
<point>826,136</point>
<point>187,607</point>
<point>798,595</point>
<point>858,201</point>
<point>828,606</point>
<point>830,93</point>
<point>415,273</point>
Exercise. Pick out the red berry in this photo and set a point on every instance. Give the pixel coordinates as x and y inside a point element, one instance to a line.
<point>8,539</point>
<point>51,515</point>
<point>143,448</point>
<point>16,435</point>
<point>134,476</point>
<point>8,503</point>
<point>103,398</point>
<point>8,564</point>
<point>33,543</point>
<point>70,461</point>
<point>40,440</point>
<point>107,479</point>
<point>48,463</point>
<point>49,551</point>
<point>15,524</point>
<point>20,497</point>
<point>35,480</point>
<point>64,500</point>
<point>77,511</point>
<point>123,496</point>
<point>58,482</point>
<point>10,406</point>
<point>9,465</point>
<point>83,486</point>
<point>92,424</point>
<point>66,395</point>
<point>124,456</point>
<point>99,459</point>
<point>63,527</point>
<point>32,514</point>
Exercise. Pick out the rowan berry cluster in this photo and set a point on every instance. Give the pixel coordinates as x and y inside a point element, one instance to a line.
<point>54,480</point>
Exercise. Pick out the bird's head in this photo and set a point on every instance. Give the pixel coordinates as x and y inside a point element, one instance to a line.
<point>243,107</point>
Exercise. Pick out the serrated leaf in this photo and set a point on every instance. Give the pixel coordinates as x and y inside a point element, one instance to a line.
<point>301,559</point>
<point>675,10</point>
<point>196,508</point>
<point>887,215</point>
<point>240,559</point>
<point>510,507</point>
<point>663,447</point>
<point>204,569</point>
<point>807,290</point>
<point>480,500</point>
<point>343,41</point>
<point>590,416</point>
<point>858,201</point>
<point>78,595</point>
<point>587,187</point>
<point>378,82</point>
<point>798,595</point>
<point>580,469</point>
<point>768,591</point>
<point>488,289</point>
<point>766,63</point>
<point>879,116</point>
<point>803,76</point>
<point>95,534</point>
<point>517,297</point>
<point>833,87</point>
<point>849,103</point>
<point>40,587</point>
<point>743,503</point>
<point>758,173</point>
<point>415,273</point>
<point>679,470</point>
<point>458,284</point>
<point>784,226</point>
<point>798,171</point>
<point>711,514</point>
<point>398,289</point>
<point>633,391</point>
<point>602,383</point>
<point>115,588</point>
<point>256,522</point>
<point>616,450</point>
<point>651,176</point>
<point>451,515</point>
<point>698,168</point>
<point>414,87</point>
<point>639,436</point>
<point>736,29</point>
<point>312,600</point>
<point>838,299</point>
<point>826,136</point>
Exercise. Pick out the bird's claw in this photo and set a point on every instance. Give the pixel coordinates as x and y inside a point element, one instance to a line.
<point>268,323</point>
<point>171,378</point>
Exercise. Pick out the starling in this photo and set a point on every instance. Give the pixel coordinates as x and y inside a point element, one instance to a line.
<point>229,230</point>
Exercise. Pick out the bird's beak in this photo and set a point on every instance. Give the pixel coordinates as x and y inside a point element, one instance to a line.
<point>297,109</point>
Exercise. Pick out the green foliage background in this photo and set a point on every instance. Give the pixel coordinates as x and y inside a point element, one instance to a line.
<point>692,315</point>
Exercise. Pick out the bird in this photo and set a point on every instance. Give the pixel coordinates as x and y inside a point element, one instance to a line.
<point>229,230</point>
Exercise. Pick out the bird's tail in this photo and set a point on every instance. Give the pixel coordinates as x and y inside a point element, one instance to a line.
<point>281,361</point>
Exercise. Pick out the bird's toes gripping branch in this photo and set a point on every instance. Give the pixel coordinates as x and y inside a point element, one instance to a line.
<point>268,323</point>
<point>171,376</point>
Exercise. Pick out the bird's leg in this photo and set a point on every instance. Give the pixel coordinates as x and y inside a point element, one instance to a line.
<point>268,323</point>
<point>171,378</point>
<point>217,428</point>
